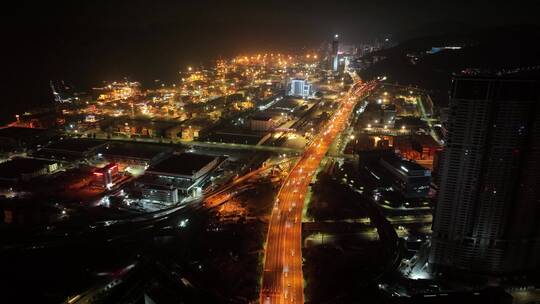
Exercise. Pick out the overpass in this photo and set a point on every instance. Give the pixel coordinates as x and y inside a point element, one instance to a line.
<point>208,144</point>
<point>232,146</point>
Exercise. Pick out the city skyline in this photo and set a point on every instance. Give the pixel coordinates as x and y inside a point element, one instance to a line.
<point>270,152</point>
<point>146,41</point>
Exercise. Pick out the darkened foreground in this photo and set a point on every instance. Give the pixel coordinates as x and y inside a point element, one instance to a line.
<point>346,257</point>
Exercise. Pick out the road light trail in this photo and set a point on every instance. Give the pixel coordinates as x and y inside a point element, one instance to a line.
<point>282,273</point>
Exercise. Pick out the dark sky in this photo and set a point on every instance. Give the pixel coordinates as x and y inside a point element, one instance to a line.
<point>93,40</point>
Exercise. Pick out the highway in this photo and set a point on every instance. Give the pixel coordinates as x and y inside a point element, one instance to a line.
<point>282,273</point>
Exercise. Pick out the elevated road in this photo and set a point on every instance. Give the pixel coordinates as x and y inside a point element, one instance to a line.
<point>229,146</point>
<point>209,144</point>
<point>282,273</point>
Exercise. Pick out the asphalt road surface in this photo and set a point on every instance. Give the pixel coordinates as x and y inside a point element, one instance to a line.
<point>282,276</point>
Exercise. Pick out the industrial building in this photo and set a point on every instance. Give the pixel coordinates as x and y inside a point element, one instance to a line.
<point>263,122</point>
<point>134,154</point>
<point>24,169</point>
<point>107,176</point>
<point>165,193</point>
<point>411,179</point>
<point>71,149</point>
<point>179,174</point>
<point>388,115</point>
<point>15,139</point>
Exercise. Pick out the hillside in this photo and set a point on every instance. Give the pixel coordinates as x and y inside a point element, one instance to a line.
<point>501,48</point>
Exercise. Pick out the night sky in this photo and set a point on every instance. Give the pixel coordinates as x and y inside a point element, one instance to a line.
<point>86,42</point>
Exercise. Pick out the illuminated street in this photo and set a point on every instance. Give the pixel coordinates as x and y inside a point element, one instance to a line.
<point>249,152</point>
<point>282,277</point>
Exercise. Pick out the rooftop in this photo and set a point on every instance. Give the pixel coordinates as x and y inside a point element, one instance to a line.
<point>17,166</point>
<point>156,182</point>
<point>182,164</point>
<point>132,150</point>
<point>19,132</point>
<point>236,137</point>
<point>407,167</point>
<point>287,104</point>
<point>107,168</point>
<point>262,116</point>
<point>75,145</point>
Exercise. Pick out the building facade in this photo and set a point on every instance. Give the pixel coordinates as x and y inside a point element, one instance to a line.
<point>167,194</point>
<point>179,175</point>
<point>300,88</point>
<point>262,123</point>
<point>487,218</point>
<point>334,58</point>
<point>411,179</point>
<point>107,176</point>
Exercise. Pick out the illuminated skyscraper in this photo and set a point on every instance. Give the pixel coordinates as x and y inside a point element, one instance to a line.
<point>487,218</point>
<point>334,59</point>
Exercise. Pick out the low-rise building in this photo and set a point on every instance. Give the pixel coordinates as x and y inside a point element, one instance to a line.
<point>193,129</point>
<point>71,149</point>
<point>262,122</point>
<point>190,132</point>
<point>15,139</point>
<point>388,116</point>
<point>107,176</point>
<point>185,165</point>
<point>167,194</point>
<point>178,175</point>
<point>425,145</point>
<point>134,154</point>
<point>411,179</point>
<point>24,169</point>
<point>300,88</point>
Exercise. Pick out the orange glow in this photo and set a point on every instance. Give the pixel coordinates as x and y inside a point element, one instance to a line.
<point>282,277</point>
